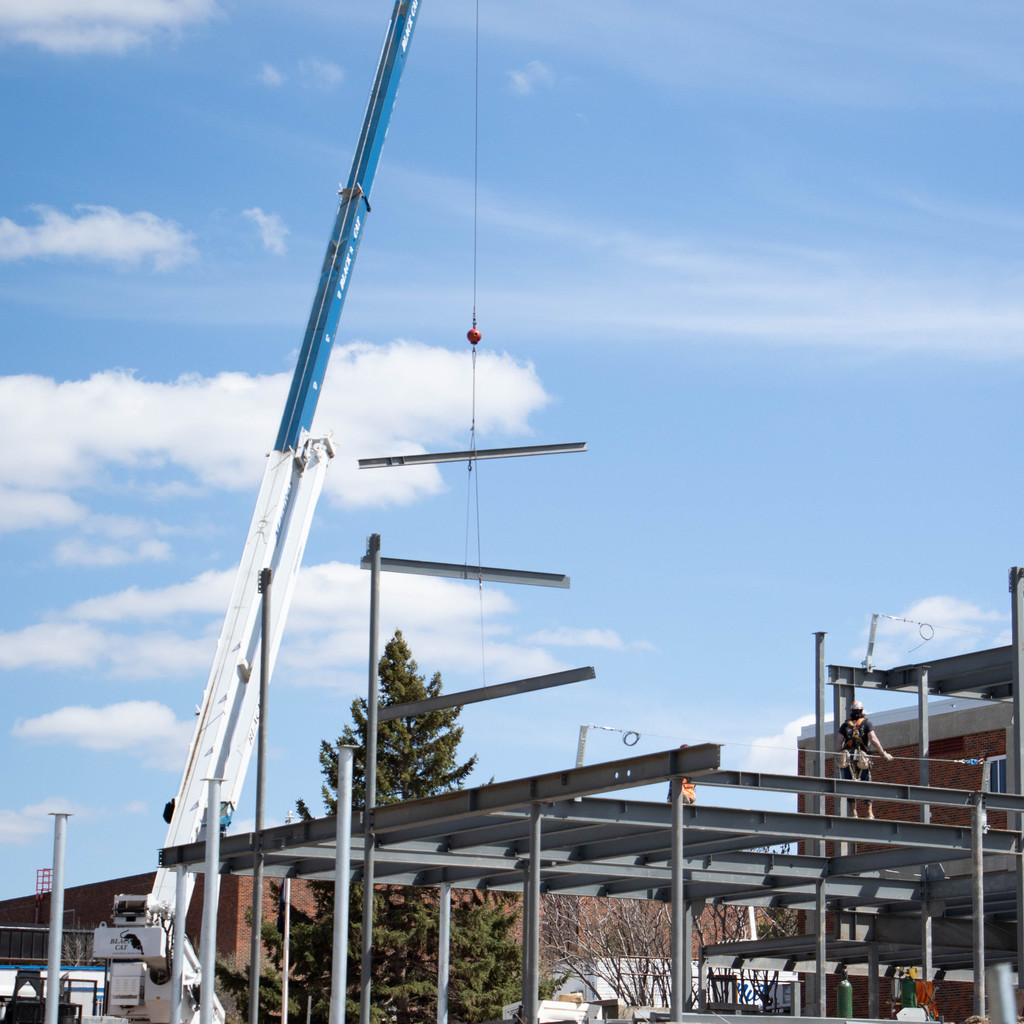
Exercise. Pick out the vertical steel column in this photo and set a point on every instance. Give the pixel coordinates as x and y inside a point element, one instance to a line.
<point>286,938</point>
<point>818,766</point>
<point>926,923</point>
<point>678,996</point>
<point>444,938</point>
<point>1015,780</point>
<point>820,948</point>
<point>924,737</point>
<point>256,938</point>
<point>1002,1002</point>
<point>687,956</point>
<point>842,698</point>
<point>178,942</point>
<point>342,869</point>
<point>532,1008</point>
<point>211,897</point>
<point>702,980</point>
<point>526,957</point>
<point>873,1008</point>
<point>370,786</point>
<point>978,900</point>
<point>55,940</point>
<point>817,848</point>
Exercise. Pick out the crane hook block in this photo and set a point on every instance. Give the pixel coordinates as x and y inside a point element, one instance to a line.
<point>474,335</point>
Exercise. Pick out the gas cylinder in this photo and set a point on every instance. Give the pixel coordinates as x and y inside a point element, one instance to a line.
<point>844,998</point>
<point>908,991</point>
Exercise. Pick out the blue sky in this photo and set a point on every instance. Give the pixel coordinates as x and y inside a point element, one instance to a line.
<point>763,257</point>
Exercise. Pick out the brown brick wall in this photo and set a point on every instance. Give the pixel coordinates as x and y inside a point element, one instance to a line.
<point>88,906</point>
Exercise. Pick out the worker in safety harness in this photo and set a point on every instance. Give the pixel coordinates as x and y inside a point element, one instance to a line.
<point>856,737</point>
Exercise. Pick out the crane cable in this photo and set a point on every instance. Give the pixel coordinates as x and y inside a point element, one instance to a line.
<point>473,336</point>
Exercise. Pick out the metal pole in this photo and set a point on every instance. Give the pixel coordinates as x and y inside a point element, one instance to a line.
<point>1002,1002</point>
<point>256,938</point>
<point>55,940</point>
<point>526,957</point>
<point>688,956</point>
<point>211,895</point>
<point>926,923</point>
<point>1015,781</point>
<point>978,901</point>
<point>677,997</point>
<point>924,738</point>
<point>444,897</point>
<point>342,868</point>
<point>178,942</point>
<point>286,959</point>
<point>817,767</point>
<point>820,948</point>
<point>873,980</point>
<point>370,801</point>
<point>702,976</point>
<point>532,1009</point>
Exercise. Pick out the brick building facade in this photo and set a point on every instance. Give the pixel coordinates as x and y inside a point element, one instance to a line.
<point>89,906</point>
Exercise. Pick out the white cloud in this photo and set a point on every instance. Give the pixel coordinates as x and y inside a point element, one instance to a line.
<point>74,646</point>
<point>33,510</point>
<point>128,540</point>
<point>326,629</point>
<point>216,430</point>
<point>51,645</point>
<point>934,627</point>
<point>82,552</point>
<point>270,76</point>
<point>777,755</point>
<point>565,636</point>
<point>146,728</point>
<point>532,76</point>
<point>34,821</point>
<point>99,233</point>
<point>271,227</point>
<point>206,594</point>
<point>320,74</point>
<point>101,26</point>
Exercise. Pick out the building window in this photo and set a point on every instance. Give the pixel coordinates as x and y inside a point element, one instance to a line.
<point>997,774</point>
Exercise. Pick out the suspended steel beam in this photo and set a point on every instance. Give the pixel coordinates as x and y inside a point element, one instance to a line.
<point>480,693</point>
<point>483,453</point>
<point>454,571</point>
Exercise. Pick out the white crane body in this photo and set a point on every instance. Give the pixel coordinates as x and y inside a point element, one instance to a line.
<point>139,943</point>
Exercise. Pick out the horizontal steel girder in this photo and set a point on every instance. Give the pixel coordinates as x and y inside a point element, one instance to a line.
<point>482,693</point>
<point>484,573</point>
<point>554,786</point>
<point>982,674</point>
<point>897,792</point>
<point>481,453</point>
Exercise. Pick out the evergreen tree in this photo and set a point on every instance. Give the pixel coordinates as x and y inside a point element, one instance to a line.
<point>416,757</point>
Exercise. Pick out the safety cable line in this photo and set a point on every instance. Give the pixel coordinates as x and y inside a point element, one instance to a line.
<point>628,739</point>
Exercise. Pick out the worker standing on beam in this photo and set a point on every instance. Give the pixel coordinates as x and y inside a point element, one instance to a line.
<point>856,737</point>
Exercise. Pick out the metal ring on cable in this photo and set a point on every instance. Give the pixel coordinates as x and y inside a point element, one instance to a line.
<point>631,742</point>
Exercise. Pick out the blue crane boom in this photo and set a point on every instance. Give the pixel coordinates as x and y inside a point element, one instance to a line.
<point>348,229</point>
<point>225,731</point>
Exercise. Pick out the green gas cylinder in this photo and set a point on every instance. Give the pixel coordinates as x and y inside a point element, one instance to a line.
<point>908,991</point>
<point>844,998</point>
